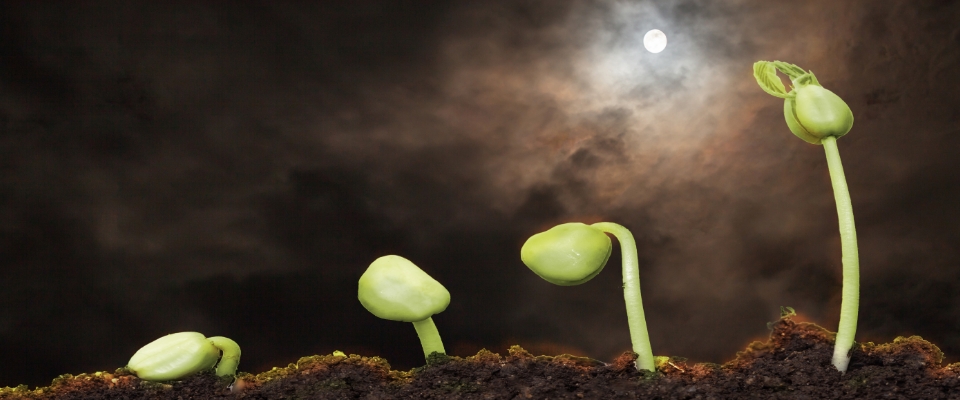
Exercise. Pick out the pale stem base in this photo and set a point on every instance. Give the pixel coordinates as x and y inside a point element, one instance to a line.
<point>850,300</point>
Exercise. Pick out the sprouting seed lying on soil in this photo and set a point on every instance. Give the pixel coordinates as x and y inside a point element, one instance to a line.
<point>178,355</point>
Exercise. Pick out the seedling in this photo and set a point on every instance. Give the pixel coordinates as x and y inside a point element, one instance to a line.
<point>818,116</point>
<point>178,355</point>
<point>394,288</point>
<point>573,253</point>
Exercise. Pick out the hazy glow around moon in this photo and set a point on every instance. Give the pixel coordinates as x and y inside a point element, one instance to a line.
<point>655,41</point>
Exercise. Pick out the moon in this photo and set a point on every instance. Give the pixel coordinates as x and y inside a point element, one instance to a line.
<point>655,41</point>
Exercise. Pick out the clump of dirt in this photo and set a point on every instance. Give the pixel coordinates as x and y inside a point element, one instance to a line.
<point>793,364</point>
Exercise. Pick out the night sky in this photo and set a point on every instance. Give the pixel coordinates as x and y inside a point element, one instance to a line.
<point>232,168</point>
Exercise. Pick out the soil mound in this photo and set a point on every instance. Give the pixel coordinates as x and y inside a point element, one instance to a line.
<point>793,364</point>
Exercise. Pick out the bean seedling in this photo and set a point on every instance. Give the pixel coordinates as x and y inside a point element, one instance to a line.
<point>178,355</point>
<point>818,116</point>
<point>573,253</point>
<point>394,288</point>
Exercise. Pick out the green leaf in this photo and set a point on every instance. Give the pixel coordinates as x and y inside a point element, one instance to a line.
<point>788,69</point>
<point>766,75</point>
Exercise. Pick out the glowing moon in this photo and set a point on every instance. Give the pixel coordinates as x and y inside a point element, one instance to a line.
<point>655,41</point>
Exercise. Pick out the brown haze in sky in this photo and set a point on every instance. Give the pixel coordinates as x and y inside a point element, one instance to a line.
<point>233,168</point>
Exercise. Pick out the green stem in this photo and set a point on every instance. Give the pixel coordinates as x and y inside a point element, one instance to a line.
<point>850,300</point>
<point>429,337</point>
<point>231,355</point>
<point>631,294</point>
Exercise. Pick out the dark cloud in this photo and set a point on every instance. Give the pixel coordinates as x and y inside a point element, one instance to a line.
<point>234,169</point>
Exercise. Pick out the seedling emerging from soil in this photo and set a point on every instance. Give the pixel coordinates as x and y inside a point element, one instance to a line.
<point>573,253</point>
<point>818,116</point>
<point>181,354</point>
<point>394,288</point>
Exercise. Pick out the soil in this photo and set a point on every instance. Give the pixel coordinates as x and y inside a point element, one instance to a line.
<point>793,364</point>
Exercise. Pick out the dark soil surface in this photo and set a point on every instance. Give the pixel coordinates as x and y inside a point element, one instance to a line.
<point>793,364</point>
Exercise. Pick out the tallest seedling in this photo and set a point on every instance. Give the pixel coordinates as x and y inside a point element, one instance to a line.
<point>819,116</point>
